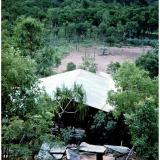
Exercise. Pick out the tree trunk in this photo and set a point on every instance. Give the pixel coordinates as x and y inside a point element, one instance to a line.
<point>59,123</point>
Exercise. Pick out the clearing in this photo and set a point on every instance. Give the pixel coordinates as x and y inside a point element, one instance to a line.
<point>115,55</point>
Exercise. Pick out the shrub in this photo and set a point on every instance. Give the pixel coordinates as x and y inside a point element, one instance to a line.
<point>66,134</point>
<point>69,134</point>
<point>113,67</point>
<point>88,64</point>
<point>71,66</point>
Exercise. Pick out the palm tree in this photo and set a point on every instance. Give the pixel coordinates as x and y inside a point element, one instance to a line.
<point>70,101</point>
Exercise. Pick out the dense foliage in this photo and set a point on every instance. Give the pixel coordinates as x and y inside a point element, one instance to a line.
<point>137,99</point>
<point>45,59</point>
<point>28,32</point>
<point>32,32</point>
<point>111,22</point>
<point>103,126</point>
<point>113,67</point>
<point>143,126</point>
<point>27,112</point>
<point>149,62</point>
<point>66,101</point>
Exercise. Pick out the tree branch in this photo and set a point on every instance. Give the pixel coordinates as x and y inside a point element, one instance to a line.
<point>68,104</point>
<point>71,112</point>
<point>22,139</point>
<point>60,105</point>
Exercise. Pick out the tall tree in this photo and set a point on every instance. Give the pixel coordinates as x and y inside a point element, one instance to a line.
<point>45,60</point>
<point>143,125</point>
<point>133,86</point>
<point>18,76</point>
<point>137,99</point>
<point>26,112</point>
<point>28,35</point>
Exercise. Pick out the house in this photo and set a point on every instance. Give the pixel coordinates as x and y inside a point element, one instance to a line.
<point>96,86</point>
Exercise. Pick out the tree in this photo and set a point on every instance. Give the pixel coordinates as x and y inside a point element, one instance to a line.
<point>85,4</point>
<point>143,125</point>
<point>6,28</point>
<point>133,86</point>
<point>18,76</point>
<point>28,35</point>
<point>131,29</point>
<point>27,113</point>
<point>136,99</point>
<point>53,16</point>
<point>70,101</point>
<point>71,31</point>
<point>45,61</point>
<point>82,28</point>
<point>24,135</point>
<point>149,62</point>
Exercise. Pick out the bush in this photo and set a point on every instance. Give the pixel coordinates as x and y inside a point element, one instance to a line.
<point>113,67</point>
<point>89,64</point>
<point>134,41</point>
<point>71,66</point>
<point>71,134</point>
<point>66,134</point>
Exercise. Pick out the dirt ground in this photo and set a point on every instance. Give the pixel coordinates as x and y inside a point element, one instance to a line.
<point>105,157</point>
<point>93,157</point>
<point>115,55</point>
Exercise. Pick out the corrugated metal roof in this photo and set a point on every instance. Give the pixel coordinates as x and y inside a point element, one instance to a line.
<point>91,148</point>
<point>120,149</point>
<point>95,86</point>
<point>44,152</point>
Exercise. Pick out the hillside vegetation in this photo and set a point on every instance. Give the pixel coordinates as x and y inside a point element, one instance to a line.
<point>37,34</point>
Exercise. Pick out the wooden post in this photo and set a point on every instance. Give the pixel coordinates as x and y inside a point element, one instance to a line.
<point>121,142</point>
<point>130,153</point>
<point>99,156</point>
